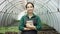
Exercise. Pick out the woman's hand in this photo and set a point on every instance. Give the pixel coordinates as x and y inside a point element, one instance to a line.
<point>27,29</point>
<point>30,26</point>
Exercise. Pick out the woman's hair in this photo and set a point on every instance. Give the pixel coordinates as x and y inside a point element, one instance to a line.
<point>29,3</point>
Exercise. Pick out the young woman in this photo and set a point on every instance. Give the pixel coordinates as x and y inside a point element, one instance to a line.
<point>30,23</point>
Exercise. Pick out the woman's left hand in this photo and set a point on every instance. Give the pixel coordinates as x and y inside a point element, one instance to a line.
<point>30,26</point>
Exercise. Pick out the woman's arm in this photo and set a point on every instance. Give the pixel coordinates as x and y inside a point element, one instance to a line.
<point>21,25</point>
<point>37,27</point>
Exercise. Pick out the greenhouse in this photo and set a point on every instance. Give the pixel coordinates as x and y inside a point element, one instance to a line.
<point>11,12</point>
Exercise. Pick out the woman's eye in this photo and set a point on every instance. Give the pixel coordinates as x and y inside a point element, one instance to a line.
<point>27,7</point>
<point>30,7</point>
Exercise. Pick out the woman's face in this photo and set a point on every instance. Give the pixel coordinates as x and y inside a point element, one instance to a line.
<point>30,8</point>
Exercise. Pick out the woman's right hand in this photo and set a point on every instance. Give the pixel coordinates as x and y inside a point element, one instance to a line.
<point>27,29</point>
